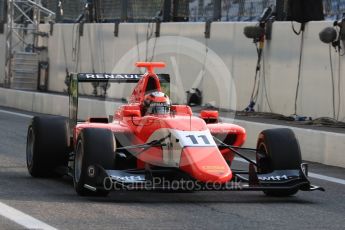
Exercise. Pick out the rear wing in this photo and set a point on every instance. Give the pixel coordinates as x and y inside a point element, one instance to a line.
<point>76,78</point>
<point>117,78</point>
<point>106,77</point>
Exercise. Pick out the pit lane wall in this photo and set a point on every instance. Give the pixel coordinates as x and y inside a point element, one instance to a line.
<point>101,51</point>
<point>316,146</point>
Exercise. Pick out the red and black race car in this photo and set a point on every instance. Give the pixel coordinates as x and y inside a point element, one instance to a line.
<point>153,144</point>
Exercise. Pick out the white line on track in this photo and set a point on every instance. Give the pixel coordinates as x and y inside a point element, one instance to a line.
<point>327,178</point>
<point>310,174</point>
<point>23,219</point>
<point>16,114</point>
<point>15,215</point>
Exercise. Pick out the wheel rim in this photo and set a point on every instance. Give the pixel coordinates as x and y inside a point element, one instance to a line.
<point>78,162</point>
<point>30,148</point>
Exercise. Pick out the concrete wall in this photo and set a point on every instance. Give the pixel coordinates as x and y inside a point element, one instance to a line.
<point>101,51</point>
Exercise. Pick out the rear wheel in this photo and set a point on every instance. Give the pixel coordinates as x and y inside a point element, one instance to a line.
<point>47,145</point>
<point>278,149</point>
<point>94,147</point>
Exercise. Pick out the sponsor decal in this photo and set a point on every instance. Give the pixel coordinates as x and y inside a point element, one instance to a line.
<point>222,131</point>
<point>154,104</point>
<point>129,179</point>
<point>157,94</point>
<point>91,76</point>
<point>273,178</point>
<point>219,169</point>
<point>120,78</point>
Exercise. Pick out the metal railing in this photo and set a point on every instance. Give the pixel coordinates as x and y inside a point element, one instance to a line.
<point>334,9</point>
<point>230,10</point>
<point>181,10</point>
<point>106,10</point>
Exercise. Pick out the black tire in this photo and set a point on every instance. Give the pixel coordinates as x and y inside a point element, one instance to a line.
<point>47,145</point>
<point>94,147</point>
<point>278,149</point>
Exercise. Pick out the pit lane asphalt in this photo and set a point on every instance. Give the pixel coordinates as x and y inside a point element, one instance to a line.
<point>54,201</point>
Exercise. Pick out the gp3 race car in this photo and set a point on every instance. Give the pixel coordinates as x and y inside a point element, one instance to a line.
<point>153,144</point>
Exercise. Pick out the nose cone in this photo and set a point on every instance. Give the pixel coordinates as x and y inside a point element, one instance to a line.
<point>206,164</point>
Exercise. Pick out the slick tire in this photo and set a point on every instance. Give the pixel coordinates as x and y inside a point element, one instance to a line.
<point>94,147</point>
<point>47,145</point>
<point>278,149</point>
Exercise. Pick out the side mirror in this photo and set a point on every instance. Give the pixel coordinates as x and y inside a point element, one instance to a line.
<point>131,113</point>
<point>209,116</point>
<point>181,109</point>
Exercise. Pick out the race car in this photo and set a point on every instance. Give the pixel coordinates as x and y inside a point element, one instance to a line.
<point>151,143</point>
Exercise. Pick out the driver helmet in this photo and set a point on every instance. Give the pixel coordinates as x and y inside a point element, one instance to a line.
<point>156,103</point>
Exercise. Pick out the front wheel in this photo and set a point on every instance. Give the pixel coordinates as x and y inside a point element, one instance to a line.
<point>278,149</point>
<point>94,147</point>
